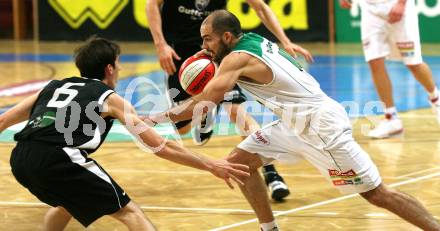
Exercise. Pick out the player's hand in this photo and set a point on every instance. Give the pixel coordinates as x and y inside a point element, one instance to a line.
<point>292,48</point>
<point>396,12</point>
<point>203,52</point>
<point>346,4</point>
<point>227,171</point>
<point>166,54</point>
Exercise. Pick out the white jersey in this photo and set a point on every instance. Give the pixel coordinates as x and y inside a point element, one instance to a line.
<point>292,89</point>
<point>312,126</point>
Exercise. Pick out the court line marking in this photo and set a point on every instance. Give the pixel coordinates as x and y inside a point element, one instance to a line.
<point>284,174</point>
<point>325,202</point>
<point>417,172</point>
<point>7,170</point>
<point>228,211</point>
<point>147,208</point>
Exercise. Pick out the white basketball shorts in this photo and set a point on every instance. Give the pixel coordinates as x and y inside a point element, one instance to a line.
<point>327,143</point>
<point>397,41</point>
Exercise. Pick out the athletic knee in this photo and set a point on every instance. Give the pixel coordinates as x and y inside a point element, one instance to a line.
<point>129,213</point>
<point>378,196</point>
<point>414,67</point>
<point>242,157</point>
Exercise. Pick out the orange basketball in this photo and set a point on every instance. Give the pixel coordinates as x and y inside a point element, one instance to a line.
<point>195,73</point>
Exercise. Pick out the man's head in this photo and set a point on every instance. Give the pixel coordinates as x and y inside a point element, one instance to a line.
<point>98,58</point>
<point>220,32</point>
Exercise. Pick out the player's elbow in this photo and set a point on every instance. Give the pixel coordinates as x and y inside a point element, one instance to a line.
<point>164,150</point>
<point>2,123</point>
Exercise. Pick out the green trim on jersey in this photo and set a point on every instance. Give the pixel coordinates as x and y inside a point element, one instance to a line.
<point>289,57</point>
<point>250,42</point>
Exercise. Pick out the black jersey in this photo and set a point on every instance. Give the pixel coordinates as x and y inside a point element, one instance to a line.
<point>67,113</point>
<point>181,19</point>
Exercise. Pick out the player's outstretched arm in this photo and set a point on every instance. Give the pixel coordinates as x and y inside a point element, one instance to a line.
<point>18,113</point>
<point>271,22</point>
<point>164,51</point>
<point>120,109</point>
<point>225,79</point>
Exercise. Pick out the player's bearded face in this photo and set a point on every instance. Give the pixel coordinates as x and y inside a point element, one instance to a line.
<point>222,51</point>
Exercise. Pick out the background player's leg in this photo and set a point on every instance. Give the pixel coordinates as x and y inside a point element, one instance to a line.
<point>253,189</point>
<point>247,125</point>
<point>402,205</point>
<point>382,81</point>
<point>56,219</point>
<point>423,74</point>
<point>392,125</point>
<point>133,217</point>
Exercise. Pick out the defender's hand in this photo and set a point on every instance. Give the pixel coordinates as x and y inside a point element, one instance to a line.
<point>346,4</point>
<point>227,171</point>
<point>396,13</point>
<point>166,54</point>
<point>292,48</point>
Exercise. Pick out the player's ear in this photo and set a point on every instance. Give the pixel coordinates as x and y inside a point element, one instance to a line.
<point>227,36</point>
<point>109,69</point>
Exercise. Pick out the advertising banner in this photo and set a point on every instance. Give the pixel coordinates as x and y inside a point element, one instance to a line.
<point>126,20</point>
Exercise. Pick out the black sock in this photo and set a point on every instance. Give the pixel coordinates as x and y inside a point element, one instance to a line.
<point>269,168</point>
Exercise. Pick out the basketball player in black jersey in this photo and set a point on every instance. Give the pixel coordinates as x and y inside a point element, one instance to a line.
<point>175,27</point>
<point>67,121</point>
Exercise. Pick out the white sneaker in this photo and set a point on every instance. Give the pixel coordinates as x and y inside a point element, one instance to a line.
<point>435,104</point>
<point>278,190</point>
<point>387,128</point>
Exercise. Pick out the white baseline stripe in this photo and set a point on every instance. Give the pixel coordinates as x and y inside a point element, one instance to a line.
<point>152,171</point>
<point>149,208</point>
<point>213,210</point>
<point>326,202</point>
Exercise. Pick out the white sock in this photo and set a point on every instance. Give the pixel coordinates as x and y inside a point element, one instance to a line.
<point>270,226</point>
<point>433,94</point>
<point>391,113</point>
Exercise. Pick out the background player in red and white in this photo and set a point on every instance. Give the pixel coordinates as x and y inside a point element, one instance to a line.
<point>54,163</point>
<point>389,29</point>
<point>174,25</point>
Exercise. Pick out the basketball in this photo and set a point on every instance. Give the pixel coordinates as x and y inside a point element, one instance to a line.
<point>195,73</point>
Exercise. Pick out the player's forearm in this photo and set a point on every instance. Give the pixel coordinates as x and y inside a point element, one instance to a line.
<point>12,117</point>
<point>403,2</point>
<point>176,153</point>
<point>2,123</point>
<point>167,149</point>
<point>270,21</point>
<point>155,23</point>
<point>185,111</point>
<point>18,113</point>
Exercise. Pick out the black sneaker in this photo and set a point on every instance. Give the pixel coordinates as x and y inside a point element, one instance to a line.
<point>275,183</point>
<point>201,138</point>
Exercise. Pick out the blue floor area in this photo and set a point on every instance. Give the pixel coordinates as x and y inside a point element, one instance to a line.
<point>344,78</point>
<point>347,78</point>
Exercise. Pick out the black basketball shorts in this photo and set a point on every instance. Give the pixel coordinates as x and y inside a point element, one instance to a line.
<point>67,177</point>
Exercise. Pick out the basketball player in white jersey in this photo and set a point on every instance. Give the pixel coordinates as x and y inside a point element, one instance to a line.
<point>312,125</point>
<point>389,29</point>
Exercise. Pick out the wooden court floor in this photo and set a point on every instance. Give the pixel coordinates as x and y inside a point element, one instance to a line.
<point>179,198</point>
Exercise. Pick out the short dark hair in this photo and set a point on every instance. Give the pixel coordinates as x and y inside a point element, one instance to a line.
<point>92,57</point>
<point>224,21</point>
